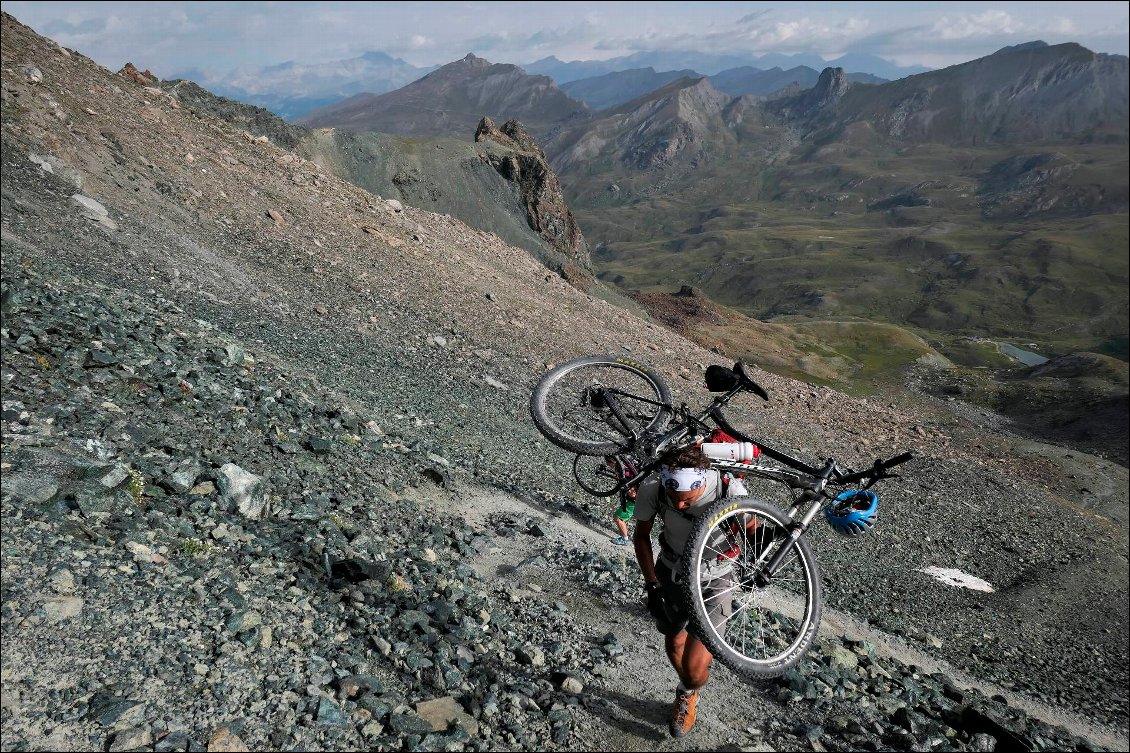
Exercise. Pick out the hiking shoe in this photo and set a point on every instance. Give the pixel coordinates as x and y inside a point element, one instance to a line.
<point>619,541</point>
<point>682,716</point>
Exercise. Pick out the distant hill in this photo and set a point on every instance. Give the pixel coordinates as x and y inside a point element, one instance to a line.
<point>293,89</point>
<point>1032,92</point>
<point>709,64</point>
<point>611,89</point>
<point>853,61</point>
<point>759,82</point>
<point>452,100</point>
<point>651,131</point>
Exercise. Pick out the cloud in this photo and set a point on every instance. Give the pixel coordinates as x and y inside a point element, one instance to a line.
<point>223,35</point>
<point>753,16</point>
<point>987,24</point>
<point>65,27</point>
<point>753,34</point>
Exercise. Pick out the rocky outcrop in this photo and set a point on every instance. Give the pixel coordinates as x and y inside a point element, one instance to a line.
<point>450,178</point>
<point>256,120</point>
<point>1046,183</point>
<point>818,101</point>
<point>145,78</point>
<point>830,88</point>
<point>546,211</point>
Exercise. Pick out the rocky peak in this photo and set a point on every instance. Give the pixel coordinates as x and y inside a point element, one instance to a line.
<point>512,135</point>
<point>702,98</point>
<point>818,101</point>
<point>1034,45</point>
<point>832,84</point>
<point>523,162</point>
<point>145,78</point>
<point>473,61</point>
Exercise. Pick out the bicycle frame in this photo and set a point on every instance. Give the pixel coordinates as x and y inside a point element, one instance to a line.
<point>792,472</point>
<point>683,432</point>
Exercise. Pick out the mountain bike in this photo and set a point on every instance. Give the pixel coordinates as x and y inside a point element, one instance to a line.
<point>616,414</point>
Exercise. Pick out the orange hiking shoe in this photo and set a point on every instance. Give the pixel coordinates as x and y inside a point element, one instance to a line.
<point>682,716</point>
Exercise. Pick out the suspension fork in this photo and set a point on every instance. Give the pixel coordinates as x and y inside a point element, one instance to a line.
<point>810,503</point>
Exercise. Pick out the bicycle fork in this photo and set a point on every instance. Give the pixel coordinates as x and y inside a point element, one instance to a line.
<point>809,502</point>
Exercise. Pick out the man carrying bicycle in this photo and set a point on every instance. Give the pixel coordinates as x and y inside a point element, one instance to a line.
<point>685,487</point>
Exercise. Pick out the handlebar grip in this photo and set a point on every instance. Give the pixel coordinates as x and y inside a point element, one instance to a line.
<point>875,472</point>
<point>898,460</point>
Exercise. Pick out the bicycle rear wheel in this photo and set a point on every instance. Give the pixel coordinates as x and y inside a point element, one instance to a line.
<point>768,628</point>
<point>572,403</point>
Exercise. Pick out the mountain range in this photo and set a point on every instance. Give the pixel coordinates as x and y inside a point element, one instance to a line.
<point>709,64</point>
<point>984,199</point>
<point>292,89</point>
<point>450,101</point>
<point>611,89</point>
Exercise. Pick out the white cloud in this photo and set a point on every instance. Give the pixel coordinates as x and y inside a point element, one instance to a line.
<point>989,23</point>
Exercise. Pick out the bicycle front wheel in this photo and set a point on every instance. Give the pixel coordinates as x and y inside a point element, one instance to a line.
<point>593,404</point>
<point>752,627</point>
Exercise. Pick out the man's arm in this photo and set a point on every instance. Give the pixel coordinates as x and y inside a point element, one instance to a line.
<point>641,540</point>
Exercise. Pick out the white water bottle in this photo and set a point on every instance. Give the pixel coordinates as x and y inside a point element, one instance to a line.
<point>738,452</point>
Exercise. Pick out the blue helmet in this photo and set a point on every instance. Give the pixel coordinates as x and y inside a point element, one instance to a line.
<point>853,513</point>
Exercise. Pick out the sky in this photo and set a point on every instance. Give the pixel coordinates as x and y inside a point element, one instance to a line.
<point>172,37</point>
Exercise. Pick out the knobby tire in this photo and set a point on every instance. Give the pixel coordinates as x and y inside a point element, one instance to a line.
<point>561,415</point>
<point>770,628</point>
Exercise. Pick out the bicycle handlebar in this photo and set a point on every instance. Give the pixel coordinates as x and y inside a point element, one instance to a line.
<point>876,471</point>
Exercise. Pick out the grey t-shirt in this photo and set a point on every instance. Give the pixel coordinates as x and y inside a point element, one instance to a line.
<point>676,525</point>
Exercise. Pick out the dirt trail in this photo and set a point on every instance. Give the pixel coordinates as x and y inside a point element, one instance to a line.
<point>631,705</point>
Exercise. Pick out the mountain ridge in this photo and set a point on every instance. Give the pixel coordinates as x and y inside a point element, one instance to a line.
<point>446,175</point>
<point>451,100</point>
<point>710,64</point>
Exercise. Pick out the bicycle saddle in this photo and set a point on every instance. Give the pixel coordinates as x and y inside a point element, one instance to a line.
<point>749,384</point>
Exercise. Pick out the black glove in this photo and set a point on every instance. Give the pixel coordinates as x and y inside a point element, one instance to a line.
<point>655,603</point>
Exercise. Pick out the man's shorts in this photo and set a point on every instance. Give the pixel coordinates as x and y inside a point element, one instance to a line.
<point>626,510</point>
<point>722,607</point>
